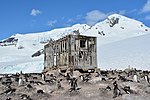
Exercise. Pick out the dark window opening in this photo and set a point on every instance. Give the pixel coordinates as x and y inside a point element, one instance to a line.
<point>65,46</point>
<point>72,60</point>
<point>75,46</point>
<point>82,43</point>
<point>61,46</point>
<point>90,60</point>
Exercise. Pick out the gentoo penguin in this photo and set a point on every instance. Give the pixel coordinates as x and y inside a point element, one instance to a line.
<point>146,78</point>
<point>43,77</point>
<point>58,85</point>
<point>20,81</point>
<point>116,90</point>
<point>135,78</point>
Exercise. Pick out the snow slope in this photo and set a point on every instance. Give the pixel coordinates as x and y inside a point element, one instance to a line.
<point>115,28</point>
<point>133,52</point>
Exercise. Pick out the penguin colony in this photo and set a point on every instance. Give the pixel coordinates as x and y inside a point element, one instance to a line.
<point>112,84</point>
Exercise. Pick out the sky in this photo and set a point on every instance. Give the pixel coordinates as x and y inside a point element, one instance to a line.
<point>30,16</point>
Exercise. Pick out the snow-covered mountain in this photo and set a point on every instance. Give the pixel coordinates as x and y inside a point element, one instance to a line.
<point>132,52</point>
<point>17,51</point>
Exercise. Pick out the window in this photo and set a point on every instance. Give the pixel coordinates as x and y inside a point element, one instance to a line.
<point>61,46</point>
<point>65,46</point>
<point>82,43</point>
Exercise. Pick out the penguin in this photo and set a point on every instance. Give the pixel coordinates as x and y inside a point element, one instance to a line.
<point>135,78</point>
<point>146,78</point>
<point>20,81</point>
<point>116,90</point>
<point>58,85</point>
<point>82,78</point>
<point>25,97</point>
<point>29,86</point>
<point>108,88</point>
<point>40,91</point>
<point>9,98</point>
<point>73,84</point>
<point>43,77</point>
<point>9,91</point>
<point>127,89</point>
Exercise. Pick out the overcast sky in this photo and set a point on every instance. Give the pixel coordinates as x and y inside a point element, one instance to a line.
<point>28,16</point>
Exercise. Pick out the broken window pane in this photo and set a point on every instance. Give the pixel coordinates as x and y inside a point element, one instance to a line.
<point>65,46</point>
<point>82,43</point>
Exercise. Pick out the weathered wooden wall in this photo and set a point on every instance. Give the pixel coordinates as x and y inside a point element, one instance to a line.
<point>74,51</point>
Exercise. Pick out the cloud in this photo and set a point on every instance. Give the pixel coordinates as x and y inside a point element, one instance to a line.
<point>52,22</point>
<point>122,12</point>
<point>147,17</point>
<point>35,12</point>
<point>133,11</point>
<point>76,19</point>
<point>146,7</point>
<point>94,16</point>
<point>71,20</point>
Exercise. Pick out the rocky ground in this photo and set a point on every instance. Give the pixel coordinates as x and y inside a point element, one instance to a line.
<point>95,89</point>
